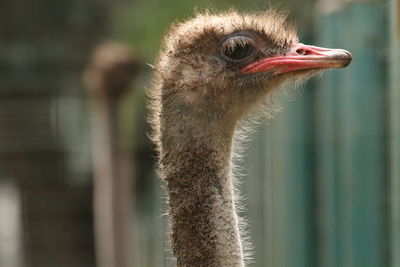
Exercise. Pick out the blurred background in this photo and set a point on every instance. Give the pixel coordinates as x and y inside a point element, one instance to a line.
<point>323,177</point>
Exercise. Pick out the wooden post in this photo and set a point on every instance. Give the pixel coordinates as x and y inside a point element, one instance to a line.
<point>107,77</point>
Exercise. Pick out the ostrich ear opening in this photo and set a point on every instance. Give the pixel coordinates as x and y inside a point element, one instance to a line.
<point>301,57</point>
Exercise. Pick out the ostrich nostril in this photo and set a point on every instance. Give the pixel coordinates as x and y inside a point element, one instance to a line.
<point>301,51</point>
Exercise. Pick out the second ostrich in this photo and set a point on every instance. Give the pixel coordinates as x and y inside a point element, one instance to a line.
<point>212,72</point>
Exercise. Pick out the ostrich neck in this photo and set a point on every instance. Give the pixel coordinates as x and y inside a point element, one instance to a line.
<point>204,224</point>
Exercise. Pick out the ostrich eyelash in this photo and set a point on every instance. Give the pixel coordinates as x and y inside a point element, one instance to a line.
<point>232,43</point>
<point>237,47</point>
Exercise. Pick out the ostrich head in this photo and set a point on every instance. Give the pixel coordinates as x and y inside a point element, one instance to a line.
<point>215,67</point>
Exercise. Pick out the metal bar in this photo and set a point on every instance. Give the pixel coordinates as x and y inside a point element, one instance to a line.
<point>394,100</point>
<point>326,104</point>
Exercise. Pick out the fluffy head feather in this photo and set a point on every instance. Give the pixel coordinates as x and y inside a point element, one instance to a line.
<point>194,80</point>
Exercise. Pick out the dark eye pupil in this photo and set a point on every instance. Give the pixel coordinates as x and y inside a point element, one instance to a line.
<point>239,51</point>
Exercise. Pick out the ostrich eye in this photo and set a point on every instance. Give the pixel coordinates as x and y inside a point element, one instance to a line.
<point>237,48</point>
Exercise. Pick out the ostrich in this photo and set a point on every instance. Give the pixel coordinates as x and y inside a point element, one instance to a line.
<point>213,72</point>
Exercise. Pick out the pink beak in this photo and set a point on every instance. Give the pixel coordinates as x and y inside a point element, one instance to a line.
<point>301,57</point>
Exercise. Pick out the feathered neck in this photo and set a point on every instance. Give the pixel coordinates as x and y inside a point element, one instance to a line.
<point>203,219</point>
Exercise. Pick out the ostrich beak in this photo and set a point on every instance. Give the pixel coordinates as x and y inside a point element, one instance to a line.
<point>301,57</point>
